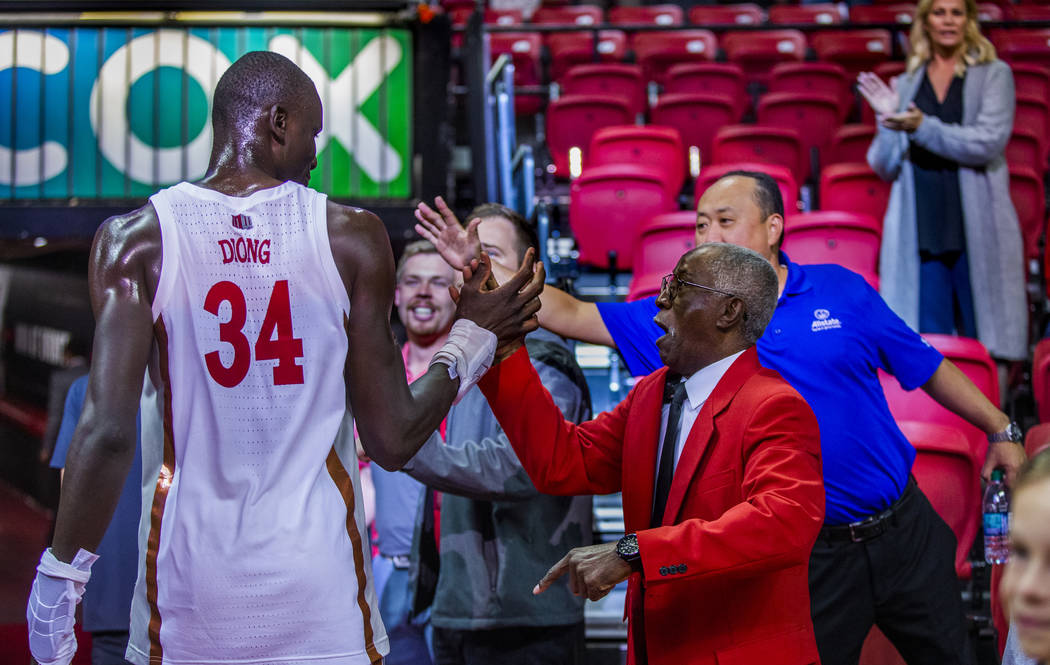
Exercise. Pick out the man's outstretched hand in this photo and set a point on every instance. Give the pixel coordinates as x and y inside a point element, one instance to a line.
<point>592,571</point>
<point>508,310</point>
<point>457,245</point>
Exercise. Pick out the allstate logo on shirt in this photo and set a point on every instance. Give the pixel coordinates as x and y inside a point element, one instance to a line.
<point>822,320</point>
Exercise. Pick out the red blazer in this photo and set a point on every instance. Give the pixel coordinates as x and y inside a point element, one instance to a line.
<point>725,579</point>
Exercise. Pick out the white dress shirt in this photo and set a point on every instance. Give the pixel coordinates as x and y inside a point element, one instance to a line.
<point>698,388</point>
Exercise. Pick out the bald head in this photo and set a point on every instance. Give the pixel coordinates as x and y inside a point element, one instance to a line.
<point>251,86</point>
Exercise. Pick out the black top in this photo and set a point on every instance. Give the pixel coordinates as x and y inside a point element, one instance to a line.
<point>938,202</point>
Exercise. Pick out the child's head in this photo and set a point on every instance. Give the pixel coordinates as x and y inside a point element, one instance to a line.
<point>1026,580</point>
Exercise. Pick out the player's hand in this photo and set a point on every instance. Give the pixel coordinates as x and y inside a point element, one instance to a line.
<point>457,245</point>
<point>1006,455</point>
<point>508,310</point>
<point>593,571</point>
<point>883,99</point>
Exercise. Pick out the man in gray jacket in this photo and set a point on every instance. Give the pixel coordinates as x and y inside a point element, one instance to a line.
<point>498,535</point>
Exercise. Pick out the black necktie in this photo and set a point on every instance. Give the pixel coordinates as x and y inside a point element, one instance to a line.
<point>674,391</point>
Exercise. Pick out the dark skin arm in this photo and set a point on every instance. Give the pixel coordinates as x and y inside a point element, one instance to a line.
<point>123,271</point>
<point>393,418</point>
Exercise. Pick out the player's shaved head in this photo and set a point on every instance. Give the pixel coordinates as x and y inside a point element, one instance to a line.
<point>252,85</point>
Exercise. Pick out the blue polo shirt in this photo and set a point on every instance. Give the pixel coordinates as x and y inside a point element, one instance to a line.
<point>829,335</point>
<point>107,599</point>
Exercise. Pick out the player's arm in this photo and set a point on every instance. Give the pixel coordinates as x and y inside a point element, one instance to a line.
<point>394,419</point>
<point>124,259</point>
<point>957,393</point>
<point>561,313</point>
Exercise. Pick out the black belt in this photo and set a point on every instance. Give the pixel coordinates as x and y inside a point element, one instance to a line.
<point>869,527</point>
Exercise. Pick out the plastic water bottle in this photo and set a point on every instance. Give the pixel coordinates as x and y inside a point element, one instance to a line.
<point>996,506</point>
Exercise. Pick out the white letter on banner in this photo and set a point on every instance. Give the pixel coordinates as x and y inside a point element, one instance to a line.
<point>355,84</point>
<point>142,55</point>
<point>47,55</point>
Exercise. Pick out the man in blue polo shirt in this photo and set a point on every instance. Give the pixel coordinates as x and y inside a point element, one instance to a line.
<point>884,555</point>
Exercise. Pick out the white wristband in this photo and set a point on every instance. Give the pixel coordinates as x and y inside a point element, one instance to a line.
<point>51,611</point>
<point>468,353</point>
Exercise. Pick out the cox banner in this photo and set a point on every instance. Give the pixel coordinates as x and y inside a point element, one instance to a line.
<point>119,112</point>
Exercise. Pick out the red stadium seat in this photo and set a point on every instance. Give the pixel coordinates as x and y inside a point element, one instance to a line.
<point>573,119</point>
<point>1026,191</point>
<point>568,49</point>
<point>663,240</point>
<point>568,15</point>
<point>696,116</point>
<point>647,15</point>
<point>816,116</point>
<point>1041,379</point>
<point>896,13</point>
<point>654,146</point>
<point>989,11</point>
<point>1037,439</point>
<point>723,78</point>
<point>856,50</point>
<point>850,144</point>
<point>787,183</point>
<point>1029,13</point>
<point>656,52</point>
<point>1034,112</point>
<point>972,358</point>
<point>763,145</point>
<point>1024,149</point>
<point>947,473</point>
<point>460,15</point>
<point>524,49</point>
<point>890,69</point>
<point>821,14</point>
<point>745,13</point>
<point>1031,80</point>
<point>1022,45</point>
<point>853,187</point>
<point>848,239</point>
<point>611,79</point>
<point>607,206</point>
<point>820,77</point>
<point>757,52</point>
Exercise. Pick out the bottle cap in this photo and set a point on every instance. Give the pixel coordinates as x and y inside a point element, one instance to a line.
<point>997,475</point>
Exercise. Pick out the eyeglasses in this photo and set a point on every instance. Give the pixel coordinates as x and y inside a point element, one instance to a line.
<point>672,283</point>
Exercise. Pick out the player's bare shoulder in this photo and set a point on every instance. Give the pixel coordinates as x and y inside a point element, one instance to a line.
<point>358,240</point>
<point>128,247</point>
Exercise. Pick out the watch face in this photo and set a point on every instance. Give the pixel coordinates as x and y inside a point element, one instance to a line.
<point>627,546</point>
<point>1014,432</point>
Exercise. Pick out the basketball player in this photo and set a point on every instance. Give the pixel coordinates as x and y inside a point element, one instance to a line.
<point>236,293</point>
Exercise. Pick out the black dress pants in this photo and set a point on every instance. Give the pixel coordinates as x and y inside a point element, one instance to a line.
<point>903,581</point>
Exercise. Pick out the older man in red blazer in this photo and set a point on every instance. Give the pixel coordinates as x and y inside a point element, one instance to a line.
<point>722,488</point>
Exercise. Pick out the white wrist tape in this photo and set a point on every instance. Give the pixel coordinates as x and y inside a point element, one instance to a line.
<point>51,611</point>
<point>468,353</point>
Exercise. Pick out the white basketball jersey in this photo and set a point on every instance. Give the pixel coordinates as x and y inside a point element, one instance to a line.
<point>251,546</point>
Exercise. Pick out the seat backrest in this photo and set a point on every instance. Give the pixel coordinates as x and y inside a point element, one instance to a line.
<point>652,145</point>
<point>569,49</point>
<point>896,13</point>
<point>1029,13</point>
<point>663,240</point>
<point>854,187</point>
<point>855,50</point>
<point>782,174</point>
<point>745,13</point>
<point>607,206</point>
<point>815,115</point>
<point>568,15</point>
<point>1022,45</point>
<point>989,11</point>
<point>1024,149</point>
<point>814,77</point>
<point>850,144</point>
<point>889,69</point>
<point>722,78</point>
<point>820,14</point>
<point>647,15</point>
<point>1033,112</point>
<point>1041,379</point>
<point>656,52</point>
<point>763,145</point>
<point>524,49</point>
<point>1029,198</point>
<point>1037,439</point>
<point>1031,80</point>
<point>696,116</point>
<point>573,119</point>
<point>848,239</point>
<point>757,52</point>
<point>606,78</point>
<point>946,472</point>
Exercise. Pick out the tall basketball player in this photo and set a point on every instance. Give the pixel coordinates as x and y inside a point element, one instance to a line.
<point>258,308</point>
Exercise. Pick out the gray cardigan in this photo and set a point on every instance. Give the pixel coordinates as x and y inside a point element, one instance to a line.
<point>993,235</point>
